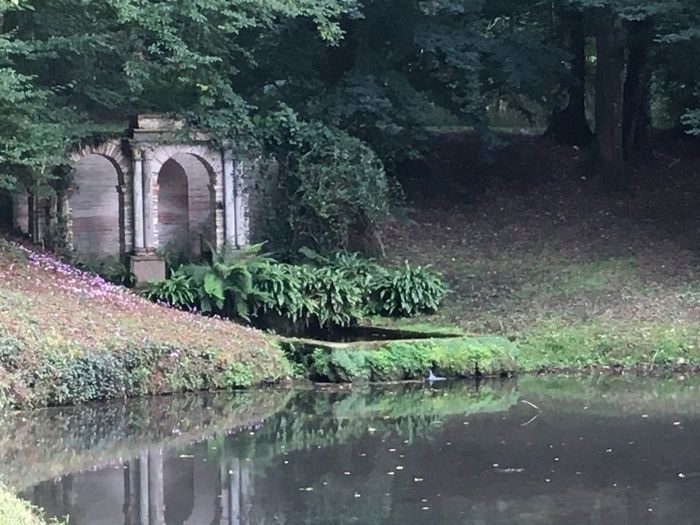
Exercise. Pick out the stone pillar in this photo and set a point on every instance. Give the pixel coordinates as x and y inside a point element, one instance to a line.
<point>156,488</point>
<point>149,213</point>
<point>146,265</point>
<point>143,488</point>
<point>138,210</point>
<point>239,204</point>
<point>230,234</point>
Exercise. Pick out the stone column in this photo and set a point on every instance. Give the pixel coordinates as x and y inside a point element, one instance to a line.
<point>148,203</point>
<point>230,233</point>
<point>138,202</point>
<point>156,489</point>
<point>239,204</point>
<point>143,488</point>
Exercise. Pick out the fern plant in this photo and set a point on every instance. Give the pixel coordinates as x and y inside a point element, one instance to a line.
<point>225,285</point>
<point>409,290</point>
<point>338,299</point>
<point>176,291</point>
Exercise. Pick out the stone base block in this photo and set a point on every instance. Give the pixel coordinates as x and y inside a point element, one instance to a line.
<point>147,267</point>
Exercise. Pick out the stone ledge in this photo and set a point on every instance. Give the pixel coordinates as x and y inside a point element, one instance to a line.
<point>147,267</point>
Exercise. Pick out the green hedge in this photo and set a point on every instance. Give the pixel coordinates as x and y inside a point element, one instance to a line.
<point>456,357</point>
<point>64,376</point>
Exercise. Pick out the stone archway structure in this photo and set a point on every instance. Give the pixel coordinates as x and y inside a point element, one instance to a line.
<point>156,142</point>
<point>220,201</point>
<point>87,209</point>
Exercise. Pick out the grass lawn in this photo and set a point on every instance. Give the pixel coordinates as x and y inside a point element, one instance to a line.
<point>535,251</point>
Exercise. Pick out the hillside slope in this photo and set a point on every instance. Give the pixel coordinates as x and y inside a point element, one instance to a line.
<point>68,336</point>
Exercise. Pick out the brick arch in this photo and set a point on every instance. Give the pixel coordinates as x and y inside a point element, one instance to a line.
<point>110,150</point>
<point>212,163</point>
<point>210,158</point>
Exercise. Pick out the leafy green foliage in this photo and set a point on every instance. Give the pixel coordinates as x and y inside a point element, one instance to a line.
<point>224,286</point>
<point>280,291</point>
<point>330,291</point>
<point>336,188</point>
<point>76,375</point>
<point>402,360</point>
<point>408,291</point>
<point>176,291</point>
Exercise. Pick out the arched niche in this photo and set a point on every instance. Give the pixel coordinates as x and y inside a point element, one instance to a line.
<point>186,205</point>
<point>96,207</point>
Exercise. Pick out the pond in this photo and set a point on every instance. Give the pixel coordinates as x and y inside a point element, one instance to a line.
<point>539,450</point>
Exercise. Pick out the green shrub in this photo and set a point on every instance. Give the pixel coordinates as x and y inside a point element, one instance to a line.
<point>455,357</point>
<point>323,296</point>
<point>225,286</point>
<point>177,290</point>
<point>280,291</point>
<point>339,366</point>
<point>335,186</point>
<point>408,291</point>
<point>182,373</point>
<point>235,375</point>
<point>339,299</point>
<point>325,291</point>
<point>398,361</point>
<point>10,354</point>
<point>64,377</point>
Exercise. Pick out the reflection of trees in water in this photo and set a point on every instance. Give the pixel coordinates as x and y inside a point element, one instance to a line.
<point>239,479</point>
<point>159,488</point>
<point>409,411</point>
<point>48,443</point>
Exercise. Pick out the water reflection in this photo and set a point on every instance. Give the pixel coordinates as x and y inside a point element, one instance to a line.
<point>601,451</point>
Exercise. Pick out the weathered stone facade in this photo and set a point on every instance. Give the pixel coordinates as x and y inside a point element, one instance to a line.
<point>162,187</point>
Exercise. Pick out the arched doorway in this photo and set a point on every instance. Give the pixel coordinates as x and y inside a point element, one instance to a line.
<point>173,208</point>
<point>96,208</point>
<point>185,205</point>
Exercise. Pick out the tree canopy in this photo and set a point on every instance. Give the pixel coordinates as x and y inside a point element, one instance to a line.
<point>382,72</point>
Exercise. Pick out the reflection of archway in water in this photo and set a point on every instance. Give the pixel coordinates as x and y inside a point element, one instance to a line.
<point>96,207</point>
<point>179,489</point>
<point>185,205</point>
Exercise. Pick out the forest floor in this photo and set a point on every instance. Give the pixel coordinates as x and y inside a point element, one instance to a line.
<point>533,248</point>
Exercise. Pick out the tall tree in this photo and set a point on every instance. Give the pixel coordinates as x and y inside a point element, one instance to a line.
<point>609,96</point>
<point>637,90</point>
<point>570,124</point>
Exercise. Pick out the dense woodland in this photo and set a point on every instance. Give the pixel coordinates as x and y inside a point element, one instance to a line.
<point>344,91</point>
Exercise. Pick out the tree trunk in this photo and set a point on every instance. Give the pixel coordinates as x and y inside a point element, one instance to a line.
<point>569,125</point>
<point>609,98</point>
<point>636,113</point>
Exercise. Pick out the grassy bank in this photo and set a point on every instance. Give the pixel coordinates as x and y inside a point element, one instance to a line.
<point>68,336</point>
<point>14,511</point>
<point>536,251</point>
<point>382,361</point>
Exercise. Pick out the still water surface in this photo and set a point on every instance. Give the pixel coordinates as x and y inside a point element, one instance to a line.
<point>550,450</point>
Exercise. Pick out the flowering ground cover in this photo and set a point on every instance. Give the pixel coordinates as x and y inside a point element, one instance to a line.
<point>69,336</point>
